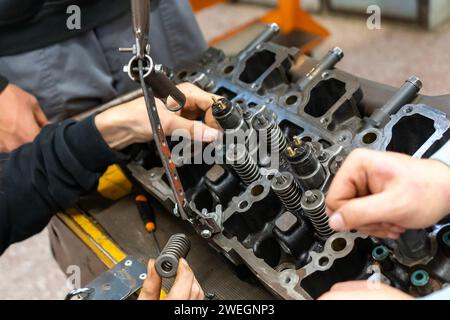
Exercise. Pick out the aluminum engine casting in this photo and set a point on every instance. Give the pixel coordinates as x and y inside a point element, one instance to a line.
<point>272,219</point>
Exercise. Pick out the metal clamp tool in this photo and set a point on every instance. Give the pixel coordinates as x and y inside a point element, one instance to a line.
<point>155,84</point>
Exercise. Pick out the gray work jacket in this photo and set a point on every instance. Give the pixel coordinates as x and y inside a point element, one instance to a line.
<point>87,70</point>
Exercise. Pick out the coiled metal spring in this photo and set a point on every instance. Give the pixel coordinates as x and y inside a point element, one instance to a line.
<point>276,138</point>
<point>266,124</point>
<point>177,247</point>
<point>245,167</point>
<point>288,191</point>
<point>313,205</point>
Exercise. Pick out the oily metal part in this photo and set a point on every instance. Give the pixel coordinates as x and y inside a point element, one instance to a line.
<point>331,115</point>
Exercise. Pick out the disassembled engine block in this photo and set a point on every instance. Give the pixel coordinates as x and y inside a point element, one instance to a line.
<point>272,217</point>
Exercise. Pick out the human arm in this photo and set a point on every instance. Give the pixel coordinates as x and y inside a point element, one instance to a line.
<point>66,160</point>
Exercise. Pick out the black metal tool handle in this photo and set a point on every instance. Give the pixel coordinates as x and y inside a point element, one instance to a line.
<point>163,88</point>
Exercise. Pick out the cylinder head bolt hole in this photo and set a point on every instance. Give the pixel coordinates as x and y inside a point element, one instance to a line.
<point>323,261</point>
<point>369,138</point>
<point>243,204</point>
<point>291,100</point>
<point>338,244</point>
<point>257,190</point>
<point>228,69</point>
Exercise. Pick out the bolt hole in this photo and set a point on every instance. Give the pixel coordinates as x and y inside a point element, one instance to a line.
<point>291,100</point>
<point>323,261</point>
<point>228,69</point>
<point>243,204</point>
<point>306,139</point>
<point>287,280</point>
<point>323,156</point>
<point>369,138</point>
<point>257,190</point>
<point>338,244</point>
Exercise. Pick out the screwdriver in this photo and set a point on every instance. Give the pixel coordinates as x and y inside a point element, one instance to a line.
<point>148,216</point>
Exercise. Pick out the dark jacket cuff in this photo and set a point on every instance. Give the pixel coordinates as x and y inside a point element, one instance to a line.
<point>89,147</point>
<point>3,83</point>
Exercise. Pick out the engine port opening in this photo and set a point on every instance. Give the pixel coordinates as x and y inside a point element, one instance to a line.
<point>269,250</point>
<point>325,144</point>
<point>345,112</point>
<point>226,93</point>
<point>324,96</point>
<point>410,133</point>
<point>203,200</point>
<point>319,282</point>
<point>256,65</point>
<point>290,129</point>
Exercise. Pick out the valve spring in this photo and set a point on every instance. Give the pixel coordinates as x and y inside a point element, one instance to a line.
<point>276,138</point>
<point>288,191</point>
<point>177,247</point>
<point>266,124</point>
<point>245,167</point>
<point>313,205</point>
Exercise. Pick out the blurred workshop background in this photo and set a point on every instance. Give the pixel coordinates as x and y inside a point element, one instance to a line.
<point>414,38</point>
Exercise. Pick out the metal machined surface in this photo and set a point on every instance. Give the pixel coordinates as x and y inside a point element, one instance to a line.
<point>322,114</point>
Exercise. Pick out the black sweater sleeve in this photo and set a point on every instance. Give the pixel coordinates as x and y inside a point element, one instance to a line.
<point>48,175</point>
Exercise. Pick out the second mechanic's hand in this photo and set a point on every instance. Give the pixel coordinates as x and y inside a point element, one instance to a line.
<point>364,290</point>
<point>185,287</point>
<point>21,118</point>
<point>384,193</point>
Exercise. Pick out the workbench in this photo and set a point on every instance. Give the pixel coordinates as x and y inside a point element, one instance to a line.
<point>104,232</point>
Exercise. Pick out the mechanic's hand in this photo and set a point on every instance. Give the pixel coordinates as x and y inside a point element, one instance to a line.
<point>21,118</point>
<point>384,193</point>
<point>197,103</point>
<point>129,123</point>
<point>185,287</point>
<point>364,290</point>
